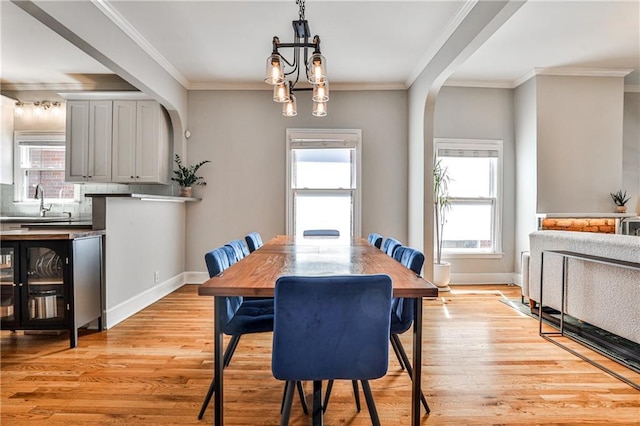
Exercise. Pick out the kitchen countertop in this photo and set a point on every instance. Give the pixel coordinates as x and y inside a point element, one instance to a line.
<point>84,224</point>
<point>147,197</point>
<point>48,234</point>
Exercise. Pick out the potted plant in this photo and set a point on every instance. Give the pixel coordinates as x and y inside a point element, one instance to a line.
<point>441,269</point>
<point>620,198</point>
<point>186,176</point>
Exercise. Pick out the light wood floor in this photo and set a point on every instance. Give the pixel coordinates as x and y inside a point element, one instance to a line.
<point>484,363</point>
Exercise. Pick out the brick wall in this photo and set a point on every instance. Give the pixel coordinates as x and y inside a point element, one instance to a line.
<point>601,225</point>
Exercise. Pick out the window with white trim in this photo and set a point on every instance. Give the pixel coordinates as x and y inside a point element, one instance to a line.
<point>323,181</point>
<point>39,159</point>
<point>473,223</point>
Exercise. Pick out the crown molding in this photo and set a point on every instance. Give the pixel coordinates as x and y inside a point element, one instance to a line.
<point>264,87</point>
<point>632,88</point>
<point>110,12</point>
<point>69,87</point>
<point>584,72</point>
<point>480,84</point>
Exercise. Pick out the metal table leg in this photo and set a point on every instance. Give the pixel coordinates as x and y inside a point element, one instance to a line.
<point>218,363</point>
<point>417,362</point>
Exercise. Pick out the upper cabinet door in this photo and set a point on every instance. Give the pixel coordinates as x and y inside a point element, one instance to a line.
<point>148,140</point>
<point>100,130</point>
<point>124,141</point>
<point>77,149</point>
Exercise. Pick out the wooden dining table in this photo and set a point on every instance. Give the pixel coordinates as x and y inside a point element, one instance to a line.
<point>256,274</point>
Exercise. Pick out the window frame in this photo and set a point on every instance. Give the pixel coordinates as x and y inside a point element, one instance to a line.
<point>497,199</point>
<point>318,139</point>
<point>35,138</point>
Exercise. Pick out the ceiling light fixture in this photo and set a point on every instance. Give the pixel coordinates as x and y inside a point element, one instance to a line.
<point>19,109</point>
<point>315,67</point>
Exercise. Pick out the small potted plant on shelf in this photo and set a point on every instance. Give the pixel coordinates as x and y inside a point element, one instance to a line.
<point>186,176</point>
<point>620,198</point>
<point>441,269</point>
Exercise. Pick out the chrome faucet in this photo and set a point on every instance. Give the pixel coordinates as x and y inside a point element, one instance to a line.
<point>40,194</point>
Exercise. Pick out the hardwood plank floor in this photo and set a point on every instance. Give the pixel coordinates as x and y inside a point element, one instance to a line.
<point>484,363</point>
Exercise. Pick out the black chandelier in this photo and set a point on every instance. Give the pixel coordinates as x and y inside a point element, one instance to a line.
<point>314,65</point>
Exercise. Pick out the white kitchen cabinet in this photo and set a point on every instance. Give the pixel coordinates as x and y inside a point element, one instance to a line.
<point>89,134</point>
<point>140,142</point>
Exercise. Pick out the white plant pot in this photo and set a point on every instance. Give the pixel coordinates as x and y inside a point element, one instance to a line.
<point>442,275</point>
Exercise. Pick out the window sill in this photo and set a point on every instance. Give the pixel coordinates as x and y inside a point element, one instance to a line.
<point>472,255</point>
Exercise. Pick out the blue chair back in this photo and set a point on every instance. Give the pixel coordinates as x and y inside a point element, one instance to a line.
<point>254,241</point>
<point>398,252</point>
<point>320,233</point>
<point>240,248</point>
<point>375,239</point>
<point>217,261</point>
<point>402,308</point>
<point>331,327</point>
<point>412,259</point>
<point>390,245</point>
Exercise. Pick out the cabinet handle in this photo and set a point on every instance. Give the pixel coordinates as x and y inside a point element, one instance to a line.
<point>137,177</point>
<point>90,177</point>
<point>131,177</point>
<point>20,285</point>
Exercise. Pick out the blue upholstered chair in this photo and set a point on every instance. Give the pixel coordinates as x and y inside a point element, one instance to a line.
<point>402,314</point>
<point>401,320</point>
<point>342,334</point>
<point>254,241</point>
<point>240,248</point>
<point>320,233</point>
<point>398,252</point>
<point>240,317</point>
<point>390,245</point>
<point>375,239</point>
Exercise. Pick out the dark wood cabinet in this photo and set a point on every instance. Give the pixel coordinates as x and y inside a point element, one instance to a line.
<point>51,284</point>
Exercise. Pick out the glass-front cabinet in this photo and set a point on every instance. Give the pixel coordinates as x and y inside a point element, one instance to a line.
<point>9,309</point>
<point>51,284</point>
<point>43,283</point>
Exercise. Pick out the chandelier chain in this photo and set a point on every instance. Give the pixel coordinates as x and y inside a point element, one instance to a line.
<point>301,13</point>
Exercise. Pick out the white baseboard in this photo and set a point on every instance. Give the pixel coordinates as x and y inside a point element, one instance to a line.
<point>134,305</point>
<point>195,277</point>
<point>483,278</point>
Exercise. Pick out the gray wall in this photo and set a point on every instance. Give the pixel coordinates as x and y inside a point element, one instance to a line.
<point>526,165</point>
<point>631,150</point>
<point>477,113</point>
<point>579,143</point>
<point>243,134</point>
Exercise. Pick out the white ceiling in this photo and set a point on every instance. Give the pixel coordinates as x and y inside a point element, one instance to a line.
<point>376,44</point>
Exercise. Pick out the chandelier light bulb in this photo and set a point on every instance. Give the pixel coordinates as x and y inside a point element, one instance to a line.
<point>281,93</point>
<point>275,72</point>
<point>321,92</point>
<point>289,109</point>
<point>317,69</point>
<point>319,109</point>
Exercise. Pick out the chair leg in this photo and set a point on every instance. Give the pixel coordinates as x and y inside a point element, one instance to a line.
<point>397,352</point>
<point>405,359</point>
<point>231,349</point>
<point>288,399</point>
<point>303,397</point>
<point>356,394</point>
<point>327,394</point>
<point>226,359</point>
<point>317,403</point>
<point>375,420</point>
